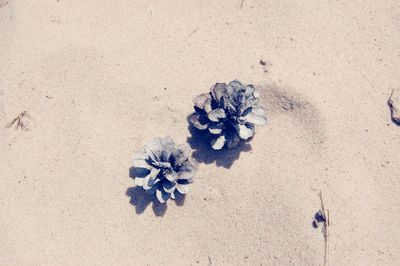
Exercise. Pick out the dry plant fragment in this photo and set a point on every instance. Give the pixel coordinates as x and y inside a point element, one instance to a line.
<point>19,121</point>
<point>322,216</point>
<point>394,105</point>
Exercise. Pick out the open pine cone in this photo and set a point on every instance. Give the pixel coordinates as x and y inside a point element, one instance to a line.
<point>164,169</point>
<point>228,113</point>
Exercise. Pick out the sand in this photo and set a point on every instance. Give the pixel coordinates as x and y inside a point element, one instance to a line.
<point>101,78</point>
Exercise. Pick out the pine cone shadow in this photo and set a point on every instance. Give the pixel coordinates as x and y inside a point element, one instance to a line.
<point>141,199</point>
<point>204,153</point>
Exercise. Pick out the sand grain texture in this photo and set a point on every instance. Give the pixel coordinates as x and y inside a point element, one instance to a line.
<point>101,78</point>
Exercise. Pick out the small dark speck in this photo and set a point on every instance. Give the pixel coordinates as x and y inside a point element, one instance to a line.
<point>366,130</point>
<point>19,182</point>
<point>291,39</point>
<point>165,89</point>
<point>49,97</point>
<point>388,124</point>
<point>246,257</point>
<point>314,224</point>
<point>262,62</point>
<point>24,176</point>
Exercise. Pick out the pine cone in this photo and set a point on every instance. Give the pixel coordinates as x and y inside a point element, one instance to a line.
<point>164,169</point>
<point>228,113</point>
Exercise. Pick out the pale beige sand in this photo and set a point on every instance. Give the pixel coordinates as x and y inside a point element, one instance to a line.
<point>100,78</point>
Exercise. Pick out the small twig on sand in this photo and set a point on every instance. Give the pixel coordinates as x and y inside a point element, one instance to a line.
<point>391,94</point>
<point>325,228</point>
<point>241,4</point>
<point>190,34</point>
<point>18,121</point>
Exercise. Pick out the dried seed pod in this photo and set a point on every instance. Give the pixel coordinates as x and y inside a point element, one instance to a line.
<point>164,169</point>
<point>228,113</point>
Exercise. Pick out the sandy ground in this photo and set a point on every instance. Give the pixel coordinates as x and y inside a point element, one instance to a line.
<point>100,78</point>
